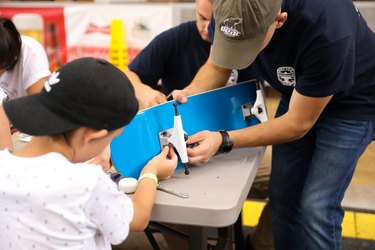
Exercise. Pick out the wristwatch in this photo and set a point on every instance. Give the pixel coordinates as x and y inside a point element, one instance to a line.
<point>227,144</point>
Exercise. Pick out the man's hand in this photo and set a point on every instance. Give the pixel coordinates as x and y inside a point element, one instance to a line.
<point>149,97</point>
<point>206,145</point>
<point>180,95</point>
<point>146,95</point>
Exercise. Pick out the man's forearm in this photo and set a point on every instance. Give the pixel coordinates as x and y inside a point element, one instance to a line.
<point>208,77</point>
<point>134,79</point>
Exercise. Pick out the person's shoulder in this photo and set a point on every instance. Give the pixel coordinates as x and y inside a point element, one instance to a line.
<point>93,169</point>
<point>32,46</point>
<point>187,26</point>
<point>317,9</point>
<point>33,50</point>
<point>30,41</point>
<point>181,29</point>
<point>334,19</point>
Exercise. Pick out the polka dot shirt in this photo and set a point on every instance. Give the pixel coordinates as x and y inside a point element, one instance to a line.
<point>48,202</point>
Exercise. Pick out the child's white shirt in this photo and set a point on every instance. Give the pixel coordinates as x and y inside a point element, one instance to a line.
<point>32,66</point>
<point>47,202</point>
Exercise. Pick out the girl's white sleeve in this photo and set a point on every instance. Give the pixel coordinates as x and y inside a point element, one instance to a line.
<point>35,61</point>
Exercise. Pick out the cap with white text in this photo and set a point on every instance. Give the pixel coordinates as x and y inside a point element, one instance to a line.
<point>241,26</point>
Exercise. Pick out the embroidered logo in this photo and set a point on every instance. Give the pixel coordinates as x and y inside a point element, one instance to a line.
<point>233,78</point>
<point>229,26</point>
<point>52,80</point>
<point>286,76</point>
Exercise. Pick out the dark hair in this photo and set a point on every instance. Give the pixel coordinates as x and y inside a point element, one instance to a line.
<point>10,44</point>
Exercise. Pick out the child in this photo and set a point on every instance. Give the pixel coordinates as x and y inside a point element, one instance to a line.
<point>24,68</point>
<point>49,197</point>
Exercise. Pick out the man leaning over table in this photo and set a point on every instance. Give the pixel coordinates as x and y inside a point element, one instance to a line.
<point>173,58</point>
<point>320,55</point>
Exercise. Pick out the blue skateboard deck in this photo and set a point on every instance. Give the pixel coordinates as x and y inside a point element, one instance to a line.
<point>219,109</point>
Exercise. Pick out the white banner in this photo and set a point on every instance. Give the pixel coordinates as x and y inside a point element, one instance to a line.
<point>88,27</point>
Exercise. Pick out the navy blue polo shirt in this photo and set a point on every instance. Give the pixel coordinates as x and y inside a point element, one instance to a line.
<point>324,48</point>
<point>174,56</point>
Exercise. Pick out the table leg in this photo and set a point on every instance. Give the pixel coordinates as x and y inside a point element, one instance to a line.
<point>197,238</point>
<point>225,239</point>
<point>239,238</point>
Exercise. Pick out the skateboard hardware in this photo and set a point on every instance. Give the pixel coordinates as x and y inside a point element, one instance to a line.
<point>258,109</point>
<point>171,191</point>
<point>219,109</point>
<point>177,137</point>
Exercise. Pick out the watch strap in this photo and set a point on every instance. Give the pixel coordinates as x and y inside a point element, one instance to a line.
<point>227,144</point>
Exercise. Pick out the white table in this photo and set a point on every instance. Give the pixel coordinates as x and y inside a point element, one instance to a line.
<point>217,191</point>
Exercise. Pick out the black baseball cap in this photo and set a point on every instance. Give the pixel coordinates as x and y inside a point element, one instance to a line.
<point>85,92</point>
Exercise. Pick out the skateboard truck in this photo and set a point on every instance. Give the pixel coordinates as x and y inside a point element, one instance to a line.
<point>258,109</point>
<point>177,137</point>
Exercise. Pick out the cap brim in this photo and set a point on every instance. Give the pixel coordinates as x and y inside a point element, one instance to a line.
<point>235,54</point>
<point>30,116</point>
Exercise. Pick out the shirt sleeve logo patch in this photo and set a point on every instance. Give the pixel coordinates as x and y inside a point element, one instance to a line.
<point>286,76</point>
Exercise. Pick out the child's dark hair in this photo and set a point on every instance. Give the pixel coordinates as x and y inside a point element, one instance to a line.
<point>10,44</point>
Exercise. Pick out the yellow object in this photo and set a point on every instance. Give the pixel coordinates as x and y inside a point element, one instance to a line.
<point>365,226</point>
<point>118,49</point>
<point>149,175</point>
<point>348,225</point>
<point>358,225</point>
<point>30,24</point>
<point>251,212</point>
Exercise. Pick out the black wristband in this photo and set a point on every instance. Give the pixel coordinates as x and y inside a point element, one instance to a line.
<point>227,144</point>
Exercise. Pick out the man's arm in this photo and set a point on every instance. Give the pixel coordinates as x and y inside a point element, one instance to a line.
<point>209,76</point>
<point>302,114</point>
<point>146,95</point>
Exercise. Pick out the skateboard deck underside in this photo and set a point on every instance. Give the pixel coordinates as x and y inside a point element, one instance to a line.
<point>219,109</point>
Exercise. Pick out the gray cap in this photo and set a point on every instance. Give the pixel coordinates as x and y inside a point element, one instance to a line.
<point>240,29</point>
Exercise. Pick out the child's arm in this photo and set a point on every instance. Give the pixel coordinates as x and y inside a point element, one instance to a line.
<point>161,166</point>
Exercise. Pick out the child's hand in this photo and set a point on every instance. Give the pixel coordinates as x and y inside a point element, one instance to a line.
<point>163,165</point>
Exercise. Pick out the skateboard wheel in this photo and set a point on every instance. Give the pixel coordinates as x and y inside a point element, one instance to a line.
<point>128,185</point>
